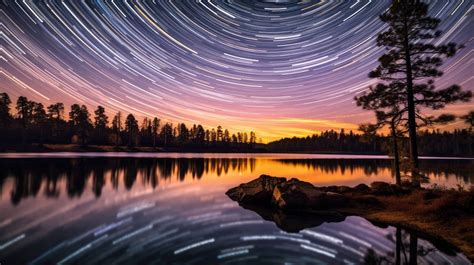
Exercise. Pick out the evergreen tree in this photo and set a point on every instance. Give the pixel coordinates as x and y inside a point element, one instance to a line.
<point>131,128</point>
<point>24,109</point>
<point>411,62</point>
<point>101,122</point>
<point>155,126</point>
<point>183,133</point>
<point>219,134</point>
<point>39,119</point>
<point>5,116</point>
<point>81,123</point>
<point>200,134</point>
<point>469,119</point>
<point>166,134</point>
<point>117,128</point>
<point>56,111</point>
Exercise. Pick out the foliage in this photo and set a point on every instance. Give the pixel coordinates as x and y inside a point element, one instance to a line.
<point>33,124</point>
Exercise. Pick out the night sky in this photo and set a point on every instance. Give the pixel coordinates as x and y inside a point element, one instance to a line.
<point>280,68</point>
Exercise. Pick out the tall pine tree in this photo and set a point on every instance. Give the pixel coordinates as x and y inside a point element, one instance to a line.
<point>410,64</point>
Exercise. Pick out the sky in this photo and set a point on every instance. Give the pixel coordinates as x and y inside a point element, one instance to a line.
<point>280,68</point>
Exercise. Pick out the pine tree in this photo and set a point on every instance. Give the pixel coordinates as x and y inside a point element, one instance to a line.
<point>81,123</point>
<point>5,116</point>
<point>411,62</point>
<point>155,125</point>
<point>131,127</point>
<point>101,122</point>
<point>469,119</point>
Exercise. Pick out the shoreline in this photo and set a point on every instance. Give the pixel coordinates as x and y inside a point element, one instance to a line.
<point>445,215</point>
<point>73,148</point>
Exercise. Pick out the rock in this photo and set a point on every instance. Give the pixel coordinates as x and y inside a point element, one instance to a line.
<point>336,189</point>
<point>286,195</point>
<point>295,194</point>
<point>381,188</point>
<point>333,199</point>
<point>258,191</point>
<point>361,188</point>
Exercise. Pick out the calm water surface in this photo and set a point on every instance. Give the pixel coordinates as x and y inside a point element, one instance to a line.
<point>91,208</point>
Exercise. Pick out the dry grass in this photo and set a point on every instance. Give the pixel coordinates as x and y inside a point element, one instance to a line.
<point>439,213</point>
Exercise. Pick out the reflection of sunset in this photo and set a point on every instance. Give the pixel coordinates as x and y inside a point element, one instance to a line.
<point>82,176</point>
<point>134,201</point>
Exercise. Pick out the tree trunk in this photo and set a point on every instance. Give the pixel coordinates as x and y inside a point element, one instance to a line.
<point>413,249</point>
<point>396,156</point>
<point>398,246</point>
<point>411,105</point>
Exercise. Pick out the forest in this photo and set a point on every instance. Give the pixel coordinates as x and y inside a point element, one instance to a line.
<point>34,124</point>
<point>459,142</point>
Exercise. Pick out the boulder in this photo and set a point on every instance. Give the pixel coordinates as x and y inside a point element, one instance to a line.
<point>295,194</point>
<point>381,188</point>
<point>258,191</point>
<point>361,188</point>
<point>285,195</point>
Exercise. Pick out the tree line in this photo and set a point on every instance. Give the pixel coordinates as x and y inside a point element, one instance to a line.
<point>459,142</point>
<point>33,123</point>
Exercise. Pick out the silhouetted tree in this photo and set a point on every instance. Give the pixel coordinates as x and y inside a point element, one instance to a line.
<point>5,116</point>
<point>56,111</point>
<point>117,128</point>
<point>55,116</point>
<point>226,136</point>
<point>183,133</point>
<point>200,134</point>
<point>155,126</point>
<point>166,134</point>
<point>24,109</point>
<point>219,134</point>
<point>39,119</point>
<point>81,123</point>
<point>469,119</point>
<point>410,63</point>
<point>101,122</point>
<point>131,128</point>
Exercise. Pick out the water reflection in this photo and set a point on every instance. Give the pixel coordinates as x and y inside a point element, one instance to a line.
<point>406,248</point>
<point>174,211</point>
<point>29,177</point>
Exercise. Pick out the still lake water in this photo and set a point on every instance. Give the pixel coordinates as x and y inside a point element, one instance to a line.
<point>96,208</point>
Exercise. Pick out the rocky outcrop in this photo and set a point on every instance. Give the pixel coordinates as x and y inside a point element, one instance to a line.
<point>257,191</point>
<point>294,205</point>
<point>285,194</point>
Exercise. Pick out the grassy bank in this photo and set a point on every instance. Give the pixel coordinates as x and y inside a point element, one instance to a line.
<point>440,214</point>
<point>446,215</point>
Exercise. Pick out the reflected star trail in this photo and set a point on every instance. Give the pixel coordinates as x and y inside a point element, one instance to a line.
<point>280,68</point>
<point>133,210</point>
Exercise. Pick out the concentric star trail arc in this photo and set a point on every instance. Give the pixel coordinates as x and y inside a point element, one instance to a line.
<point>279,68</point>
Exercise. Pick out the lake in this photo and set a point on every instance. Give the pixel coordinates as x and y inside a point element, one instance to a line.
<point>139,208</point>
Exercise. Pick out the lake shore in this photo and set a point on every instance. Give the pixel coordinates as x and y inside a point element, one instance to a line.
<point>443,214</point>
<point>75,148</point>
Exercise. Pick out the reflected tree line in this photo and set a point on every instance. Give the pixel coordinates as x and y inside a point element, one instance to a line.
<point>31,122</point>
<point>31,176</point>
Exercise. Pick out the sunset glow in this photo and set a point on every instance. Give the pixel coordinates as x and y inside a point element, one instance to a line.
<point>280,71</point>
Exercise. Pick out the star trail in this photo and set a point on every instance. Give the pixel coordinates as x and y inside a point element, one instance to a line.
<point>280,68</point>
